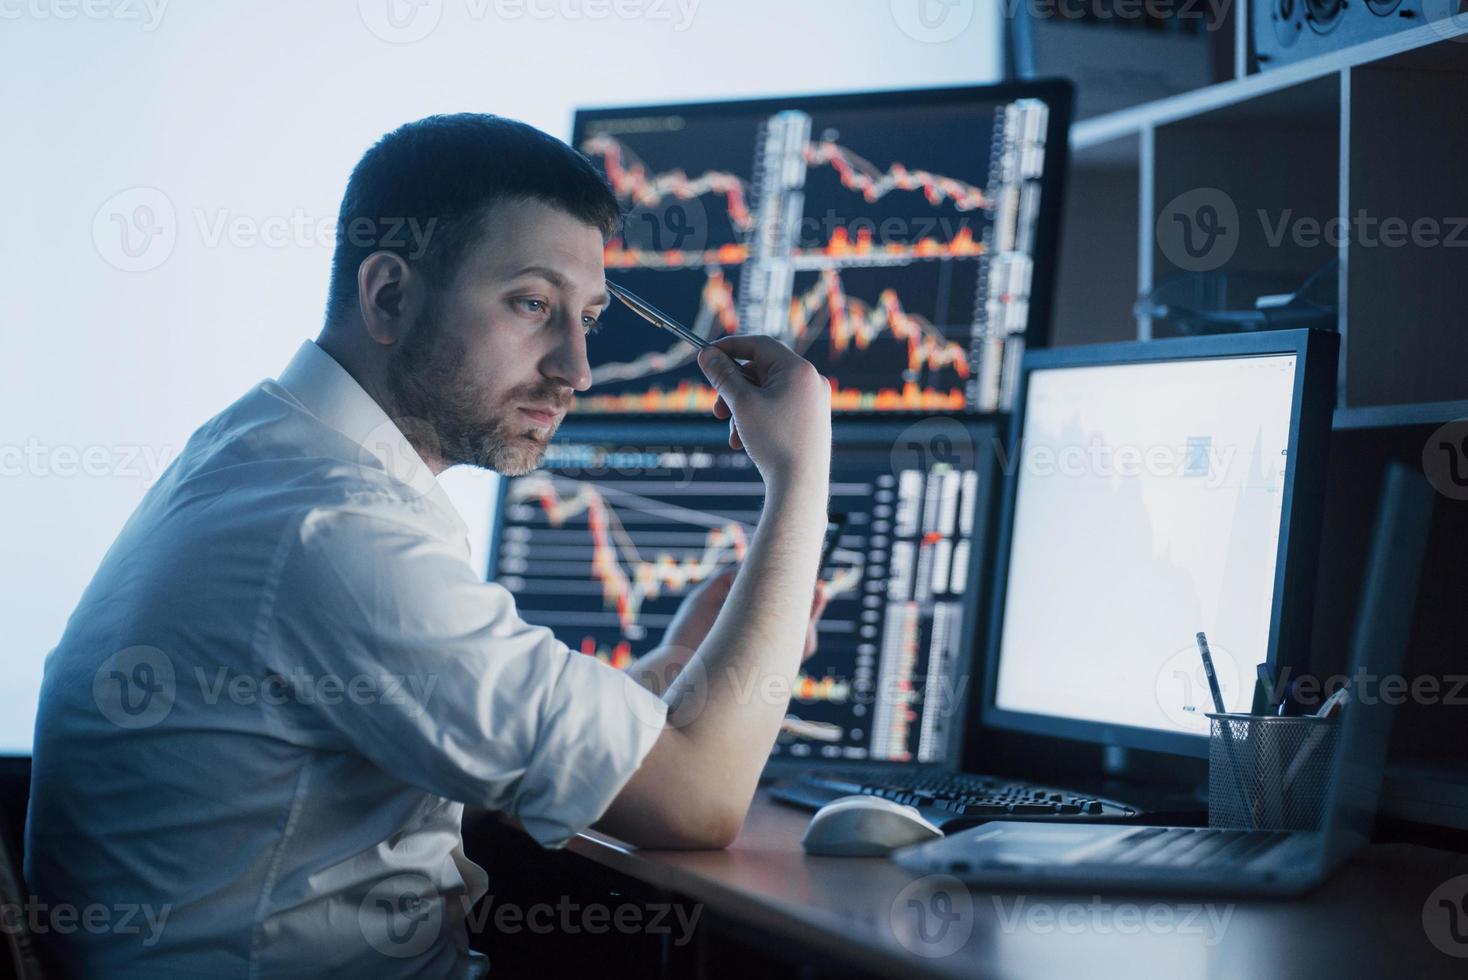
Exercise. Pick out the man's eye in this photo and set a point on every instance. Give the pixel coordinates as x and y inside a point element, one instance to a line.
<point>592,325</point>
<point>530,305</point>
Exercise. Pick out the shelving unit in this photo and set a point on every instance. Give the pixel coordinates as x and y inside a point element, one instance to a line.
<point>1315,157</point>
<point>1379,130</point>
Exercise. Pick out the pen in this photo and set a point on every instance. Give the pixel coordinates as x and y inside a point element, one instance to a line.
<point>1223,723</point>
<point>1338,700</point>
<point>1213,688</point>
<point>1261,691</point>
<point>655,316</point>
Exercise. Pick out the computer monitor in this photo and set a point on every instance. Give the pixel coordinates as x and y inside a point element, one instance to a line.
<point>902,241</point>
<point>1156,490</point>
<point>603,541</point>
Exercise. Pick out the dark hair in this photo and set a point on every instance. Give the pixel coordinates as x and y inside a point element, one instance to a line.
<point>421,191</point>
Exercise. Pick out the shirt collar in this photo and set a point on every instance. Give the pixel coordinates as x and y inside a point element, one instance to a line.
<point>325,388</point>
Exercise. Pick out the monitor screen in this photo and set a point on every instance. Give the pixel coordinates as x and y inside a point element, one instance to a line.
<point>605,539</point>
<point>1147,504</point>
<point>900,241</point>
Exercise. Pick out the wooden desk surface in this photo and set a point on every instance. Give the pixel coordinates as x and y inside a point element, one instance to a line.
<point>1367,920</point>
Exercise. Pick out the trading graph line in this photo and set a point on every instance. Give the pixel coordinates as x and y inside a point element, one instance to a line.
<point>853,322</point>
<point>861,175</point>
<point>849,323</point>
<point>716,307</point>
<point>839,252</point>
<point>626,588</point>
<point>629,179</point>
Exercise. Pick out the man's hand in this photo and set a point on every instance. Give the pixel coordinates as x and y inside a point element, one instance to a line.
<point>778,406</point>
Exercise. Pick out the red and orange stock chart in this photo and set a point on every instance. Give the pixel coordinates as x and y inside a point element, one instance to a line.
<point>604,541</point>
<point>891,245</point>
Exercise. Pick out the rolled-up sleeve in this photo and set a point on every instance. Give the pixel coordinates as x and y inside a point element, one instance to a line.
<point>464,698</point>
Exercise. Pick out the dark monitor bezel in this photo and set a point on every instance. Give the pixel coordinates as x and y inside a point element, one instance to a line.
<point>1316,353</point>
<point>1057,93</point>
<point>985,434</point>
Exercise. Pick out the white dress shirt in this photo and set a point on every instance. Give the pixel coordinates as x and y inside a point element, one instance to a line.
<point>264,718</point>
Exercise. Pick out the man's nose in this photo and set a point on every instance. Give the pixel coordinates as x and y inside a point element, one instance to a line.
<point>566,361</point>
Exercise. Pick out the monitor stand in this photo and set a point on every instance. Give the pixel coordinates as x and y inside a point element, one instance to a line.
<point>1178,796</point>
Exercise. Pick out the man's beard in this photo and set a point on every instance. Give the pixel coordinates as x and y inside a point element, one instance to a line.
<point>442,412</point>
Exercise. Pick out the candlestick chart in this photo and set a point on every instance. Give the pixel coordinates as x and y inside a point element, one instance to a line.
<point>891,246</point>
<point>603,544</point>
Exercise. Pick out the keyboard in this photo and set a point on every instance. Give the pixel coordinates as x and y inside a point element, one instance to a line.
<point>1187,847</point>
<point>952,800</point>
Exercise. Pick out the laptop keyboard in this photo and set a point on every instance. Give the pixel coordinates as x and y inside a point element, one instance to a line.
<point>1188,847</point>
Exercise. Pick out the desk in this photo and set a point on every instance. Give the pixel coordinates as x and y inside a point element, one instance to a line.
<point>1367,920</point>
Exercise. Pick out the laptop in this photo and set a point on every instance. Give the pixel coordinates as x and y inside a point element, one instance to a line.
<point>1222,860</point>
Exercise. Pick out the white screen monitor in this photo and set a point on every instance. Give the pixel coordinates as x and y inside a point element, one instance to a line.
<point>1153,494</point>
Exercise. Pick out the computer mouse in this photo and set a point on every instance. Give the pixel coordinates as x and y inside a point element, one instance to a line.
<point>865,826</point>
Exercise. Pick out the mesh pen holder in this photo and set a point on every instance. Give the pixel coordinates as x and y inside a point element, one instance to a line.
<point>1267,772</point>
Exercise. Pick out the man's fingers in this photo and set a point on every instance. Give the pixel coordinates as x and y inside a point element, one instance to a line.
<point>756,347</point>
<point>722,373</point>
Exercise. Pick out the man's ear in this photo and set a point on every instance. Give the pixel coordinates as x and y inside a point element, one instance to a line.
<point>387,289</point>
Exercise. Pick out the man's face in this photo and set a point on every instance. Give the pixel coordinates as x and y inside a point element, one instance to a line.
<point>492,363</point>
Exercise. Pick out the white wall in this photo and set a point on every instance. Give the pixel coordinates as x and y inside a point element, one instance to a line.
<point>238,123</point>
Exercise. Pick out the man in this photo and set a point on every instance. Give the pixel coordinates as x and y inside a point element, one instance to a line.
<point>263,720</point>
